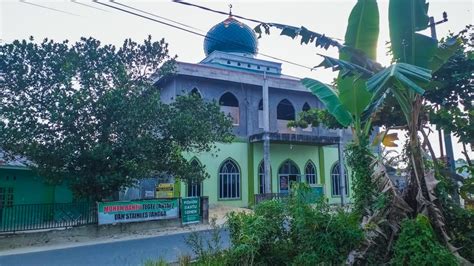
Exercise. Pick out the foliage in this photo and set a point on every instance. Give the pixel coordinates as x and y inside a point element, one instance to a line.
<point>362,34</point>
<point>210,249</point>
<point>160,262</point>
<point>417,245</point>
<point>450,96</point>
<point>259,238</point>
<point>311,226</point>
<point>362,185</point>
<point>460,221</point>
<point>406,19</point>
<point>330,99</point>
<point>315,117</point>
<point>88,114</point>
<point>291,233</point>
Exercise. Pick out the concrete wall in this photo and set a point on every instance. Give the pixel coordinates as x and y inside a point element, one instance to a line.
<point>248,96</point>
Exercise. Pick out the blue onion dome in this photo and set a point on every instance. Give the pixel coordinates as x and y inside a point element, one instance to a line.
<point>232,36</point>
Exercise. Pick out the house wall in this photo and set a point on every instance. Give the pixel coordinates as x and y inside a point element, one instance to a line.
<point>29,188</point>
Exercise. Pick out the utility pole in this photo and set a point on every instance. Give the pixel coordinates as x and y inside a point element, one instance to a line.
<point>266,136</point>
<point>447,134</point>
<point>342,174</point>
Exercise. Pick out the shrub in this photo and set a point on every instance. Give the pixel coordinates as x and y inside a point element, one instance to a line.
<point>321,236</point>
<point>417,245</point>
<point>260,237</point>
<point>294,232</point>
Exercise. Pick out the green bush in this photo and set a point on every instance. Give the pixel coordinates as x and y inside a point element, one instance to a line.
<point>417,245</point>
<point>261,237</point>
<point>292,232</point>
<point>321,236</point>
<point>459,221</point>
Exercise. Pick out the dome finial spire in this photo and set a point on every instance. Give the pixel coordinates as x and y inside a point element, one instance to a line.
<point>230,10</point>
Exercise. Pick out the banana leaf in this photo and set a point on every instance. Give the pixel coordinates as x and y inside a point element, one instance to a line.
<point>362,34</point>
<point>330,99</point>
<point>412,77</point>
<point>406,18</point>
<point>346,68</point>
<point>443,53</point>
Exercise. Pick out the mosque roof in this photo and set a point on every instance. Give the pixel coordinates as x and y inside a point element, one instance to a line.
<point>232,36</point>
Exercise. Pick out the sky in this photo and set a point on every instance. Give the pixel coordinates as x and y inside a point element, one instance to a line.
<point>66,19</point>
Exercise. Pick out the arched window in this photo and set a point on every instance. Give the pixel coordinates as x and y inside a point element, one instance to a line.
<point>195,92</point>
<point>194,188</point>
<point>285,112</point>
<point>261,177</point>
<point>260,114</point>
<point>288,173</point>
<point>335,181</point>
<point>229,180</point>
<point>310,173</point>
<point>306,107</point>
<point>230,105</point>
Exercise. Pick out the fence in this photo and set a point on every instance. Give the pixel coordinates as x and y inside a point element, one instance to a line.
<point>47,216</point>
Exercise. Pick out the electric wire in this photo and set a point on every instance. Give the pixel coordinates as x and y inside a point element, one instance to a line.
<point>191,31</point>
<point>225,13</point>
<point>86,5</point>
<point>49,8</point>
<point>154,15</point>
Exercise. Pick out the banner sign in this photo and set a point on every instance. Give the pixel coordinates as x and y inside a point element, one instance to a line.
<point>137,211</point>
<point>165,190</point>
<point>190,210</point>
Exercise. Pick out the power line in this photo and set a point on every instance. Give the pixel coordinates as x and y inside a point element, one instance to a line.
<point>217,11</point>
<point>86,5</point>
<point>49,8</point>
<point>189,31</point>
<point>151,14</point>
<point>225,13</point>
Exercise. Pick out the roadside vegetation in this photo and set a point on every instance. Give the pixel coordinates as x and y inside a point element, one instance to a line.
<point>422,225</point>
<point>89,115</point>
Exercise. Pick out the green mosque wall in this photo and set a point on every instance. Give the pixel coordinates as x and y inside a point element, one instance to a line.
<point>248,156</point>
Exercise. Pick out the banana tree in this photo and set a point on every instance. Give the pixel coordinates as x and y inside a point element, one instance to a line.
<point>351,96</point>
<point>363,85</point>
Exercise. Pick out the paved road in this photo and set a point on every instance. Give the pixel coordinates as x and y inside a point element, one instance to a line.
<point>129,252</point>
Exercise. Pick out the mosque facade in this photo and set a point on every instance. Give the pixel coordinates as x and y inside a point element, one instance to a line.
<point>232,75</point>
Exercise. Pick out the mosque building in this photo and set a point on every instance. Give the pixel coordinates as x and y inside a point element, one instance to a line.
<point>233,76</point>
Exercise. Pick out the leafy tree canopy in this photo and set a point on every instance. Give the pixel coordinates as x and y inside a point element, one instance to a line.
<point>88,114</point>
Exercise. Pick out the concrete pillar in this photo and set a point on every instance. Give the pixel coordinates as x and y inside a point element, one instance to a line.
<point>266,136</point>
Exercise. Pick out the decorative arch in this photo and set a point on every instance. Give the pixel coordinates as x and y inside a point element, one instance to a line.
<point>288,173</point>
<point>285,110</point>
<point>228,99</point>
<point>306,107</point>
<point>288,167</point>
<point>230,106</point>
<point>310,173</point>
<point>195,91</point>
<point>229,180</point>
<point>194,188</point>
<point>335,180</point>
